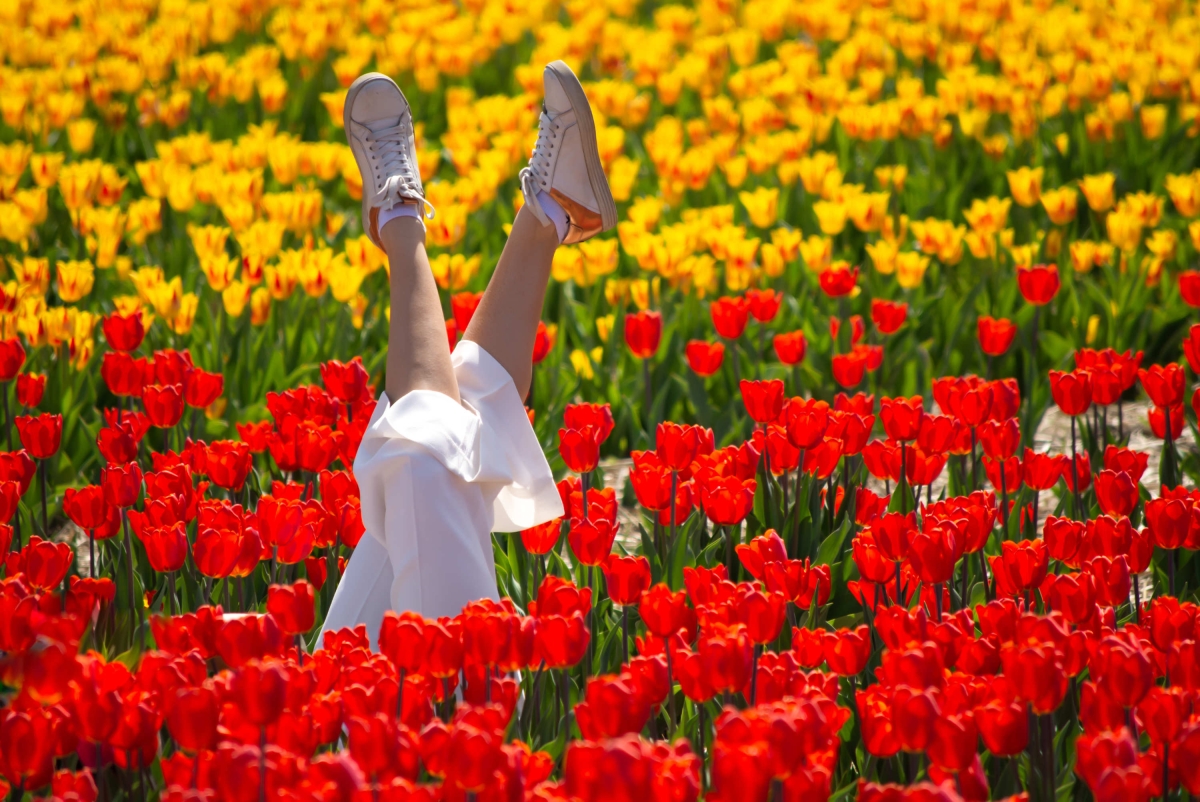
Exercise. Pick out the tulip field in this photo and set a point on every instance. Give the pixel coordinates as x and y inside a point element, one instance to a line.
<point>813,549</point>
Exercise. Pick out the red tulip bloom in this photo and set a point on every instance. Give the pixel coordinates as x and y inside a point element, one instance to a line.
<point>30,388</point>
<point>543,341</point>
<point>166,546</point>
<point>763,399</point>
<point>807,422</point>
<point>1166,385</point>
<point>40,435</point>
<point>730,316</point>
<point>1041,471</point>
<point>561,641</point>
<point>86,506</point>
<point>847,650</point>
<point>848,369</point>
<point>1039,283</point>
<point>764,304</point>
<point>579,448</point>
<point>542,538</point>
<point>596,416</point>
<point>664,611</point>
<point>1038,674</point>
<point>790,347</point>
<point>202,388</point>
<point>677,445</point>
<point>12,357</point>
<point>1020,566</point>
<point>463,306</point>
<point>762,614</point>
<point>1157,417</point>
<point>999,438</point>
<point>293,607</point>
<point>347,382</point>
<point>995,334</point>
<point>837,282</point>
<point>902,417</point>
<point>28,741</point>
<point>705,358</point>
<point>1170,520</point>
<point>1189,287</point>
<point>626,578</point>
<point>228,464</point>
<point>124,332</point>
<point>888,316</point>
<point>1072,391</point>
<point>43,563</point>
<point>727,500</point>
<point>932,553</point>
<point>643,331</point>
<point>164,404</point>
<point>122,484</point>
<point>1116,493</point>
<point>591,539</point>
<point>1004,726</point>
<point>192,720</point>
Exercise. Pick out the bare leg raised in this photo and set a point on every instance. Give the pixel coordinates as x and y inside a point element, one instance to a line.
<point>505,324</point>
<point>418,355</point>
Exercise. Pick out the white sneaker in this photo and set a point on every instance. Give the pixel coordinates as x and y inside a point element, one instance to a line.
<point>379,128</point>
<point>566,161</point>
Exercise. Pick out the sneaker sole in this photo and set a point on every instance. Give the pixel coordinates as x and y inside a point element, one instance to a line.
<point>591,151</point>
<point>351,95</point>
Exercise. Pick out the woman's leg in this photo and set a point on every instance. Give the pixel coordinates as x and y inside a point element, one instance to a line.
<point>567,200</point>
<point>418,356</point>
<point>505,323</point>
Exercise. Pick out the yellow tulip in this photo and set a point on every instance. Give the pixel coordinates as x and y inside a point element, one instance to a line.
<point>1154,120</point>
<point>75,280</point>
<point>817,252</point>
<point>581,364</point>
<point>1098,190</point>
<point>1025,185</point>
<point>604,326</point>
<point>235,297</point>
<point>831,216</point>
<point>260,306</point>
<point>910,269</point>
<point>1161,243</point>
<point>1185,193</point>
<point>1124,229</point>
<point>987,216</point>
<point>81,133</point>
<point>45,168</point>
<point>1060,204</point>
<point>883,256</point>
<point>762,205</point>
<point>220,270</point>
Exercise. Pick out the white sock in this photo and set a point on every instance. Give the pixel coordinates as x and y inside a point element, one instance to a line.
<point>555,213</point>
<point>400,210</point>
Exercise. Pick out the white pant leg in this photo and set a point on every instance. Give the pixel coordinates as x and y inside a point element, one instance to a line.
<point>364,593</point>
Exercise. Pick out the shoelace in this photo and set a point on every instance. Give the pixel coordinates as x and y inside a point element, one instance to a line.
<point>403,181</point>
<point>535,176</point>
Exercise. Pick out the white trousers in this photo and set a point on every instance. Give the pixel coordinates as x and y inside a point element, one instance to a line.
<point>436,479</point>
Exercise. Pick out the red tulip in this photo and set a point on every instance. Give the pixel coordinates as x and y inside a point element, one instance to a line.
<point>1189,287</point>
<point>12,357</point>
<point>1166,385</point>
<point>902,417</point>
<point>463,306</point>
<point>643,330</point>
<point>1039,283</point>
<point>705,358</point>
<point>192,720</point>
<point>579,448</point>
<point>292,606</point>
<point>664,611</point>
<point>763,399</point>
<point>30,388</point>
<point>847,650</point>
<point>202,388</point>
<point>626,578</point>
<point>762,614</point>
<point>848,369</point>
<point>166,546</point>
<point>228,464</point>
<point>838,281</point>
<point>41,435</point>
<point>1072,391</point>
<point>597,416</point>
<point>124,332</point>
<point>164,404</point>
<point>1157,418</point>
<point>764,304</point>
<point>591,539</point>
<point>122,484</point>
<point>543,341</point>
<point>888,316</point>
<point>542,538</point>
<point>730,315</point>
<point>1116,493</point>
<point>727,500</point>
<point>790,347</point>
<point>347,382</point>
<point>86,506</point>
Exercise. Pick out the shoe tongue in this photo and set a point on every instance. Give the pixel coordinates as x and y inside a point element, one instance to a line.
<point>556,101</point>
<point>381,124</point>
